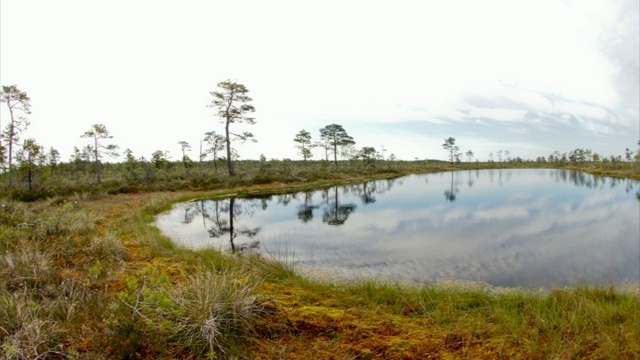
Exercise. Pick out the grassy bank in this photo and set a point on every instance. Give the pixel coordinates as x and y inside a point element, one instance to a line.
<point>86,276</point>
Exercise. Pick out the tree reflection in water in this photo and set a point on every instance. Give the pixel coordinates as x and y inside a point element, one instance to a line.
<point>223,220</point>
<point>590,181</point>
<point>450,194</point>
<point>220,218</point>
<point>235,211</point>
<point>506,226</point>
<point>334,212</point>
<point>367,193</point>
<point>305,210</point>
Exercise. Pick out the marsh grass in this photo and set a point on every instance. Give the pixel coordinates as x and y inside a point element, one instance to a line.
<point>28,334</point>
<point>463,320</point>
<point>107,248</point>
<point>578,322</point>
<point>87,276</point>
<point>217,309</point>
<point>40,307</point>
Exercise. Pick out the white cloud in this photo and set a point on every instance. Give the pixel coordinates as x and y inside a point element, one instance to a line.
<point>501,213</point>
<point>146,67</point>
<point>508,115</point>
<point>597,128</point>
<point>582,110</point>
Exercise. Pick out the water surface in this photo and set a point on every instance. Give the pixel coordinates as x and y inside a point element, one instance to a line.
<point>525,228</point>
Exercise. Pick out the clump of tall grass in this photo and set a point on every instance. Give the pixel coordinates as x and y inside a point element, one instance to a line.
<point>34,325</point>
<point>27,266</point>
<point>39,304</point>
<point>107,248</point>
<point>34,339</point>
<point>219,309</point>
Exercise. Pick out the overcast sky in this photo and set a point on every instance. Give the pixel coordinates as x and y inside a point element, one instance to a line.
<point>530,77</point>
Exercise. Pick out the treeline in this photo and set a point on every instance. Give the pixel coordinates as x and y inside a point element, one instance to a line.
<point>29,171</point>
<point>139,174</point>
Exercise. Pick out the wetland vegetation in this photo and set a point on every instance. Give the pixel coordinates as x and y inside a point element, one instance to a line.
<point>85,274</point>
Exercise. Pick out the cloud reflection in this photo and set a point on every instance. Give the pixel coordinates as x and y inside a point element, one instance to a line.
<point>511,228</point>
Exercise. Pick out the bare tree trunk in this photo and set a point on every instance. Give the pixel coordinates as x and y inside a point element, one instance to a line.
<point>95,154</point>
<point>29,179</point>
<point>11,130</point>
<point>232,171</point>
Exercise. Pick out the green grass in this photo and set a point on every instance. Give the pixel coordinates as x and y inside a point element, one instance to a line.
<point>86,276</point>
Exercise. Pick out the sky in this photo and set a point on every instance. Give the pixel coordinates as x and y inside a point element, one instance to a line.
<point>527,77</point>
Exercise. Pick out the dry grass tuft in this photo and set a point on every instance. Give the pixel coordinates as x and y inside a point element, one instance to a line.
<point>217,309</point>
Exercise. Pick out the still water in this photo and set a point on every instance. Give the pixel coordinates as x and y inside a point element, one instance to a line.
<point>517,228</point>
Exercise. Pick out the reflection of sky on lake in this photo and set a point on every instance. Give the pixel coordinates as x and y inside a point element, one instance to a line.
<point>506,227</point>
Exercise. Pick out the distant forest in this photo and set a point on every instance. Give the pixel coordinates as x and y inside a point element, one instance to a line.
<point>29,171</point>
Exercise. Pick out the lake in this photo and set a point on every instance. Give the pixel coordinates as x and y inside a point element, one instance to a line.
<point>525,228</point>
